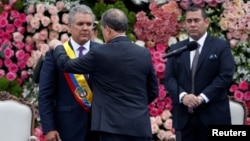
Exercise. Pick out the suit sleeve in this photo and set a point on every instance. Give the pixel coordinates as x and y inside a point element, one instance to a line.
<point>47,93</point>
<point>79,65</point>
<point>152,83</point>
<point>226,69</point>
<point>170,81</point>
<point>37,70</point>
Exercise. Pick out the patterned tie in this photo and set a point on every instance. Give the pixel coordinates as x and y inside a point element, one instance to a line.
<point>194,64</point>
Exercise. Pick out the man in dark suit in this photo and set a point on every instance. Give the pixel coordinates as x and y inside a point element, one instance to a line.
<point>62,117</point>
<point>123,82</point>
<point>207,104</point>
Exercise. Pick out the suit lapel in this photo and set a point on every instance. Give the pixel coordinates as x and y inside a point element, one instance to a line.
<point>205,51</point>
<point>186,58</point>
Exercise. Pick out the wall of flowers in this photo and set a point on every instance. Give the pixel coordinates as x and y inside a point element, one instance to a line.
<point>26,27</point>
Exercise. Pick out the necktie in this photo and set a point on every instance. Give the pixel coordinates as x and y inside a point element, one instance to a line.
<point>81,48</point>
<point>194,64</point>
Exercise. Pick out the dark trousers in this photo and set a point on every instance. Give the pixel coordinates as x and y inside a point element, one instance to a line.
<point>195,130</point>
<point>104,136</point>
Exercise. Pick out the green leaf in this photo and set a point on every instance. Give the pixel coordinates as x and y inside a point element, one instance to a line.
<point>5,1</point>
<point>18,5</point>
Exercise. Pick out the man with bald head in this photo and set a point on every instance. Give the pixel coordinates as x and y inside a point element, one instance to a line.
<point>123,82</point>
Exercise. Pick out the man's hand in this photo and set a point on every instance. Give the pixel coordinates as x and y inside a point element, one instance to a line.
<point>54,43</point>
<point>190,100</point>
<point>53,136</point>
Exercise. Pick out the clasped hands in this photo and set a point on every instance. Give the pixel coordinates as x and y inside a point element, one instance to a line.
<point>192,101</point>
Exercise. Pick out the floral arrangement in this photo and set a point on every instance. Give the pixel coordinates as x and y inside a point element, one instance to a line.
<point>154,30</point>
<point>151,29</point>
<point>14,52</point>
<point>162,126</point>
<point>241,92</point>
<point>234,22</point>
<point>25,33</point>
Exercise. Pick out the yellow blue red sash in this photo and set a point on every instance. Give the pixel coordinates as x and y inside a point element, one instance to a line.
<point>78,84</point>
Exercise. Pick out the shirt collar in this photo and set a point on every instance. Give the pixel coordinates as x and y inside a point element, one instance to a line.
<point>75,45</point>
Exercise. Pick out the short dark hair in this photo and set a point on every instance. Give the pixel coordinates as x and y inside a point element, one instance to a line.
<point>193,8</point>
<point>115,19</point>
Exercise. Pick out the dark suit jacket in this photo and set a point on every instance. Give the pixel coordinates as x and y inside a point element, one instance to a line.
<point>213,77</point>
<point>123,83</point>
<point>57,106</point>
<point>37,69</point>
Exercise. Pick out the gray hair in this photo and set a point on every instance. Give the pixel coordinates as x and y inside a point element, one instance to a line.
<point>80,9</point>
<point>115,19</point>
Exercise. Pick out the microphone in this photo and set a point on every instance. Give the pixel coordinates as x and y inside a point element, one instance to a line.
<point>189,47</point>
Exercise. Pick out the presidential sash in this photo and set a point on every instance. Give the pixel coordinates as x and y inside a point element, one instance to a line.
<point>78,84</point>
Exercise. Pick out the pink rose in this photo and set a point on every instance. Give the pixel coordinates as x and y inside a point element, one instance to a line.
<point>17,37</point>
<point>154,128</point>
<point>24,74</point>
<point>30,62</point>
<point>2,73</point>
<point>45,21</point>
<point>19,45</point>
<point>34,22</point>
<point>31,9</point>
<point>21,64</point>
<point>60,5</point>
<point>14,14</point>
<point>13,68</point>
<point>54,18</point>
<point>153,111</point>
<point>57,27</point>
<point>247,96</point>
<point>238,95</point>
<point>162,94</point>
<point>53,10</point>
<point>29,47</point>
<point>10,28</point>
<point>21,29</point>
<point>160,67</point>
<point>43,34</point>
<point>161,48</point>
<point>8,53</point>
<point>20,54</point>
<point>17,23</point>
<point>233,88</point>
<point>161,105</point>
<point>28,18</point>
<point>40,8</point>
<point>3,22</point>
<point>168,124</point>
<point>243,85</point>
<point>11,76</point>
<point>22,17</point>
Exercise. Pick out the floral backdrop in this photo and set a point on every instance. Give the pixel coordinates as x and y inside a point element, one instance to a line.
<point>26,27</point>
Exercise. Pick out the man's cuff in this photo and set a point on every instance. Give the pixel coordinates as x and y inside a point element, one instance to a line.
<point>181,96</point>
<point>206,100</point>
